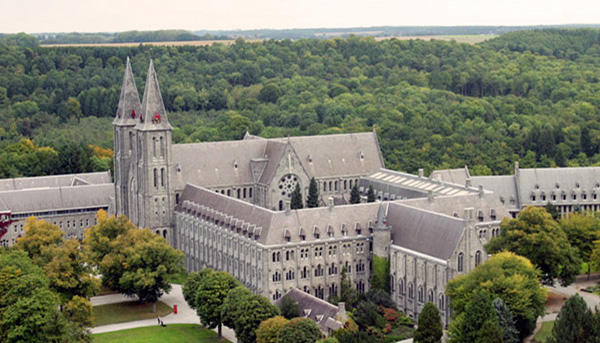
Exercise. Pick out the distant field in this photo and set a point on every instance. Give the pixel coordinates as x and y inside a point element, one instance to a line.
<point>471,39</point>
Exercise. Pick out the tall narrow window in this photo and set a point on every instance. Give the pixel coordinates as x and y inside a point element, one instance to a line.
<point>477,258</point>
<point>154,146</point>
<point>461,258</point>
<point>155,178</point>
<point>162,177</point>
<point>162,147</point>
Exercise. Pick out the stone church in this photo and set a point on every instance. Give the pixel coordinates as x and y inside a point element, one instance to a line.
<point>227,206</point>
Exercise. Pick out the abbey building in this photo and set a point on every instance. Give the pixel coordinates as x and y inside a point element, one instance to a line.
<point>226,205</point>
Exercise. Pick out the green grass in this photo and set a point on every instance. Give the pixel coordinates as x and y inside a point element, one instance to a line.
<point>127,312</point>
<point>544,333</point>
<point>105,291</point>
<point>180,278</point>
<point>175,333</point>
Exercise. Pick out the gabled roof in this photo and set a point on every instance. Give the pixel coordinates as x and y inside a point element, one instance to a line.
<point>426,232</point>
<point>55,181</point>
<point>311,307</point>
<point>58,198</point>
<point>211,164</point>
<point>503,186</point>
<point>457,176</point>
<point>273,224</point>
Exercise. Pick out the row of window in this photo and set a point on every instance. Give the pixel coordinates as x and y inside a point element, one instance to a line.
<point>318,251</point>
<point>461,261</point>
<point>42,214</point>
<point>319,291</point>
<point>420,293</point>
<point>318,271</point>
<point>332,186</point>
<point>242,193</point>
<point>563,197</point>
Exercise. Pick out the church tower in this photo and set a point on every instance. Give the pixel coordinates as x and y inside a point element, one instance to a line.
<point>155,196</point>
<point>124,138</point>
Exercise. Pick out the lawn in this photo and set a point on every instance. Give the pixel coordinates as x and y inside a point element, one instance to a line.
<point>180,333</point>
<point>180,278</point>
<point>544,332</point>
<point>127,312</point>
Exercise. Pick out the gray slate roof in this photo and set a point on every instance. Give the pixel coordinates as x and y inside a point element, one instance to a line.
<point>311,307</point>
<point>455,205</point>
<point>457,176</point>
<point>568,180</point>
<point>503,186</point>
<point>423,231</point>
<point>58,198</point>
<point>273,226</point>
<point>55,181</point>
<point>212,164</point>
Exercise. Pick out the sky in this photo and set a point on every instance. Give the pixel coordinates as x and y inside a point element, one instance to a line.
<point>36,16</point>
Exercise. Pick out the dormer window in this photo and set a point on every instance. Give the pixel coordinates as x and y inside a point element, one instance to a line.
<point>310,159</point>
<point>557,186</point>
<point>576,184</point>
<point>493,214</point>
<point>235,164</point>
<point>537,186</point>
<point>361,155</point>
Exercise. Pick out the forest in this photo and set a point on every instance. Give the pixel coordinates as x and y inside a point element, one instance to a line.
<point>527,96</point>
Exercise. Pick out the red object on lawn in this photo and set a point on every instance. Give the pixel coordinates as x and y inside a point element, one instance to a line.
<point>175,309</point>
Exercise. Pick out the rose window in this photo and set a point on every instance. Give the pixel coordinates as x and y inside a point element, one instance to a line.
<point>287,184</point>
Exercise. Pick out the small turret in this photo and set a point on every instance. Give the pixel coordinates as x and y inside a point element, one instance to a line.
<point>381,234</point>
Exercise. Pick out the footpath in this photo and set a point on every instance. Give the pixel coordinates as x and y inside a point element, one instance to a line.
<point>581,282</point>
<point>185,315</point>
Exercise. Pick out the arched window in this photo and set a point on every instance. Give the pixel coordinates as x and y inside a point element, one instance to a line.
<point>154,146</point>
<point>430,296</point>
<point>400,287</point>
<point>461,258</point>
<point>477,258</point>
<point>345,184</point>
<point>441,302</point>
<point>162,147</point>
<point>165,234</point>
<point>324,187</point>
<point>411,291</point>
<point>155,178</point>
<point>281,205</point>
<point>420,293</point>
<point>162,177</point>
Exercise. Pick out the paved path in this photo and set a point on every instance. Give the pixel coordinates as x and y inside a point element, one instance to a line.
<point>185,315</point>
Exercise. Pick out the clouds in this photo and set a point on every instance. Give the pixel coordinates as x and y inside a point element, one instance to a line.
<point>120,15</point>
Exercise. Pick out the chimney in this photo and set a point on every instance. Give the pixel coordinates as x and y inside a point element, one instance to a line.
<point>480,191</point>
<point>430,195</point>
<point>517,168</point>
<point>421,172</point>
<point>331,202</point>
<point>468,214</point>
<point>468,182</point>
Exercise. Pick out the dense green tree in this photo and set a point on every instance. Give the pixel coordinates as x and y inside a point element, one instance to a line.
<point>150,264</point>
<point>574,323</point>
<point>269,93</point>
<point>348,336</point>
<point>299,330</point>
<point>191,286</point>
<point>79,310</point>
<point>507,276</point>
<point>581,230</point>
<point>380,273</point>
<point>312,200</point>
<point>268,330</point>
<point>296,200</point>
<point>552,210</point>
<point>354,195</point>
<point>289,307</point>
<point>430,329</point>
<point>535,235</point>
<point>40,237</point>
<point>370,194</point>
<point>506,322</point>
<point>478,323</point>
<point>210,296</point>
<point>367,315</point>
<point>253,310</point>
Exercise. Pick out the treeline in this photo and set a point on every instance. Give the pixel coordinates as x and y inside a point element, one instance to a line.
<point>570,44</point>
<point>434,104</point>
<point>124,37</point>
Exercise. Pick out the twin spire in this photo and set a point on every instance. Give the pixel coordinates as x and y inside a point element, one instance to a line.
<point>151,113</point>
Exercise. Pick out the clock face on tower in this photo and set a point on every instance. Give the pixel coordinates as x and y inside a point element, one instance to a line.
<point>287,184</point>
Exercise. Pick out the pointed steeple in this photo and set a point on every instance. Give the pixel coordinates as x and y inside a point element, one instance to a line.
<point>153,115</point>
<point>129,107</point>
<point>381,222</point>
